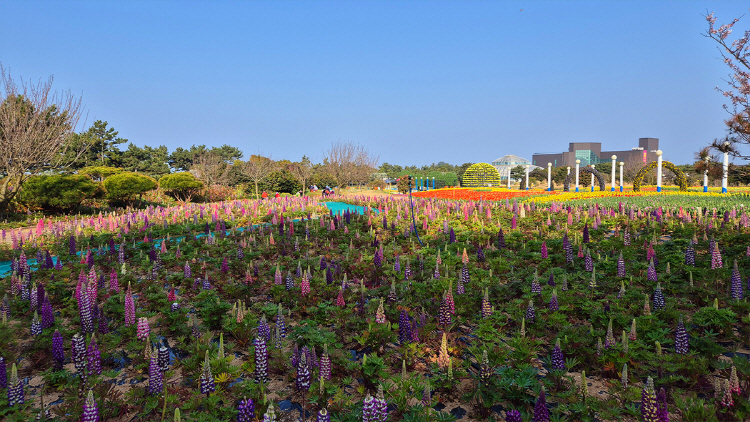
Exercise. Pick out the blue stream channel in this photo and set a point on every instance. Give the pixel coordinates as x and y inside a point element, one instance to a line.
<point>336,208</point>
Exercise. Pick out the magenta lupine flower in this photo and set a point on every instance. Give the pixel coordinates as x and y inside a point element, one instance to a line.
<point>716,257</point>
<point>305,284</point>
<point>129,308</point>
<point>261,359</point>
<point>155,377</point>
<point>325,364</point>
<point>143,329</point>
<point>648,402</point>
<point>681,339</point>
<point>58,352</point>
<point>93,358</point>
<point>544,250</point>
<point>114,285</point>
<point>246,410</point>
<point>171,297</point>
<point>541,413</point>
<point>340,299</point>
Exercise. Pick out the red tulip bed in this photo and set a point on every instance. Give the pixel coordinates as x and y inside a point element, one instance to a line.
<point>278,310</point>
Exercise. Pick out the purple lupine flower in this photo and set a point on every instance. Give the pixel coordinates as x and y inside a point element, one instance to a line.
<point>155,378</point>
<point>187,272</point>
<point>513,416</point>
<point>58,351</point>
<point>264,331</point>
<point>690,255</point>
<point>304,378</point>
<point>261,359</point>
<point>404,328</point>
<point>651,272</point>
<point>90,409</point>
<point>541,413</point>
<point>246,410</point>
<point>620,266</point>
<point>586,233</point>
<point>397,264</point>
<point>289,282</point>
<point>376,259</point>
<point>480,254</point>
<point>553,305</point>
<point>736,283</point>
<point>93,358</point>
<point>84,308</point>
<point>609,339</point>
<point>662,412</point>
<point>558,360</point>
<point>681,339</point>
<point>207,379</point>
<point>36,325</point>
<point>465,274</point>
<point>323,416</point>
<point>280,326</point>
<point>648,402</point>
<point>381,406</point>
<point>444,313</point>
<point>536,288</point>
<point>225,265</point>
<point>48,316</point>
<point>143,329</point>
<point>72,245</point>
<point>78,352</point>
<point>551,280</point>
<point>500,238</point>
<point>15,388</point>
<point>3,374</point>
<point>368,409</point>
<point>530,313</point>
<point>658,298</point>
<point>452,236</point>
<point>588,261</point>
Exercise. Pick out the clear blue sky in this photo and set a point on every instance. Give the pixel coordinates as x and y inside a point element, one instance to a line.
<point>416,82</point>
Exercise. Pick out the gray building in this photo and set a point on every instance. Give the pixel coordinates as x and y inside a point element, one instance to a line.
<point>591,153</point>
<point>505,163</point>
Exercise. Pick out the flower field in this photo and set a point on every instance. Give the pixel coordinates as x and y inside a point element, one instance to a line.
<point>516,306</point>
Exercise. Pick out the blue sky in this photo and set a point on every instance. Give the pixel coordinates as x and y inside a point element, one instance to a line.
<point>416,82</point>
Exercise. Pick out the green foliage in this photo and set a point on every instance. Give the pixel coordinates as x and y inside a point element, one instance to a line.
<point>99,173</point>
<point>57,192</point>
<point>403,184</point>
<point>149,160</point>
<point>182,186</point>
<point>128,186</point>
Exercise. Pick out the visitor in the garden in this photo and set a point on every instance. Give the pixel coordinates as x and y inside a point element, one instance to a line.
<point>264,195</point>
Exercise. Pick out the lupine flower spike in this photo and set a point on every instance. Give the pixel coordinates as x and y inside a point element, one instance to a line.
<point>207,379</point>
<point>90,409</point>
<point>648,402</point>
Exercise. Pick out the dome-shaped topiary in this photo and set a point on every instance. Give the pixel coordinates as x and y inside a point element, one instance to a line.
<point>481,174</point>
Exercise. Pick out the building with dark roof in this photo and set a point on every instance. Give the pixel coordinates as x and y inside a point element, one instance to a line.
<point>591,153</point>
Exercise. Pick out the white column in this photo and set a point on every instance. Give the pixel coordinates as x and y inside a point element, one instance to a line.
<point>621,165</point>
<point>549,177</point>
<point>705,175</point>
<point>658,170</point>
<point>527,177</point>
<point>568,169</point>
<point>578,163</point>
<point>592,178</point>
<point>614,161</point>
<point>509,177</point>
<point>725,176</point>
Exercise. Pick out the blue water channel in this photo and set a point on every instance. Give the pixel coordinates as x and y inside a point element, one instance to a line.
<point>336,208</point>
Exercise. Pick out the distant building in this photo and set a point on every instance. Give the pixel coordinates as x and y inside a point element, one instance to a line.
<point>591,153</point>
<point>503,164</point>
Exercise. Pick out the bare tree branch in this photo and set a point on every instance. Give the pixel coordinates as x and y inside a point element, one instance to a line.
<point>257,169</point>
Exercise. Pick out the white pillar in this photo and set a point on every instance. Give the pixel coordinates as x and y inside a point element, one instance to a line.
<point>592,178</point>
<point>705,175</point>
<point>509,177</point>
<point>578,163</point>
<point>527,177</point>
<point>568,169</point>
<point>614,161</point>
<point>725,176</point>
<point>658,170</point>
<point>549,177</point>
<point>621,166</point>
